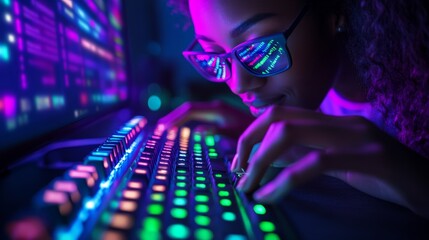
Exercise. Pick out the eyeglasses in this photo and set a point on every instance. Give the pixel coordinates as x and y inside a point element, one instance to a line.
<point>261,57</point>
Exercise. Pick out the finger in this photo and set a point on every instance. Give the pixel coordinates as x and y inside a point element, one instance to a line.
<point>319,133</point>
<point>176,115</point>
<point>256,131</point>
<point>275,142</point>
<point>362,160</point>
<point>233,163</point>
<point>298,173</point>
<point>281,136</point>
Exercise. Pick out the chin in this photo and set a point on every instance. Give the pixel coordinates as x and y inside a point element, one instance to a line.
<point>256,112</point>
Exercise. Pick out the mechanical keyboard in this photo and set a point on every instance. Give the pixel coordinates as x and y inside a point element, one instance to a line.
<point>152,183</point>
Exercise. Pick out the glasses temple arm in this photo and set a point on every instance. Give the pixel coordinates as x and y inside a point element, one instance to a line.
<point>297,20</point>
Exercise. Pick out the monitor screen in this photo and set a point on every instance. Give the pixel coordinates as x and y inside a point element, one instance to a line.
<point>60,61</point>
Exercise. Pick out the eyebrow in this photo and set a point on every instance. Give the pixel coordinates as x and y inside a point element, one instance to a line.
<point>240,29</point>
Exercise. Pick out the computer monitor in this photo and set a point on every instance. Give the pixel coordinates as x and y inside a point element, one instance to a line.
<point>60,62</point>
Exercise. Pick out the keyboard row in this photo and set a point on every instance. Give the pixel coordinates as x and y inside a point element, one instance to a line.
<point>64,207</point>
<point>161,184</point>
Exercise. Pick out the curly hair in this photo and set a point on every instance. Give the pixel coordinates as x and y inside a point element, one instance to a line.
<point>389,43</point>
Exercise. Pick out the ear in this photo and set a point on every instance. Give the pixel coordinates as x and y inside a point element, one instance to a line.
<point>340,20</point>
<point>340,23</point>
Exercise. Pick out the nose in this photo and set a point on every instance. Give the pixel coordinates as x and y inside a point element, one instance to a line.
<point>241,80</point>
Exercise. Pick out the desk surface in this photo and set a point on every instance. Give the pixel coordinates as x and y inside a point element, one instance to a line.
<point>328,208</point>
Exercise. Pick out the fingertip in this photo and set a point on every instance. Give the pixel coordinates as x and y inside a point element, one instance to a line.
<point>265,195</point>
<point>241,184</point>
<point>234,163</point>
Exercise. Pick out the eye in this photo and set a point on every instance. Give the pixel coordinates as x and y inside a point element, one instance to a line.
<point>211,48</point>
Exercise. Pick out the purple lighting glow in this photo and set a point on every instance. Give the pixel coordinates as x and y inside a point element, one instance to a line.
<point>9,106</point>
<point>51,66</point>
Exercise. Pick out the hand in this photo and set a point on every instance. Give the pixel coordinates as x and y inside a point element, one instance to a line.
<point>227,119</point>
<point>351,147</point>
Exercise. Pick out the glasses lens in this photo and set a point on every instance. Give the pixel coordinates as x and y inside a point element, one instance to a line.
<point>264,58</point>
<point>213,67</point>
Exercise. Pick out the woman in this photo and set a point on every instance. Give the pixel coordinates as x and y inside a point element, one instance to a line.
<point>347,79</point>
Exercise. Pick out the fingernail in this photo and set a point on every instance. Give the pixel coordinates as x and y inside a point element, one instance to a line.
<point>241,184</point>
<point>233,164</point>
<point>260,195</point>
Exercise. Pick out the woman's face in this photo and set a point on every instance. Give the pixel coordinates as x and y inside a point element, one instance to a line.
<point>222,24</point>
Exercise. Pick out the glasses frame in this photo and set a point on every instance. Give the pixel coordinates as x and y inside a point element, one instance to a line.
<point>280,37</point>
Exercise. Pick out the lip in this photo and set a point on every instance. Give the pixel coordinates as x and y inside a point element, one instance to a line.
<point>260,102</point>
<point>259,106</point>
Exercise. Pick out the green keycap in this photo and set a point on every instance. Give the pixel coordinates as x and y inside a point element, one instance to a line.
<point>201,198</point>
<point>180,202</point>
<point>223,193</point>
<point>178,231</point>
<point>106,217</point>
<point>202,220</point>
<point>155,209</point>
<point>181,193</point>
<point>200,185</point>
<point>218,175</point>
<point>157,197</point>
<point>221,185</point>
<point>197,138</point>
<point>271,236</point>
<point>181,184</point>
<point>200,178</point>
<point>210,141</point>
<point>181,177</point>
<point>266,226</point>
<point>151,224</point>
<point>151,227</point>
<point>259,209</point>
<point>225,202</point>
<point>236,237</point>
<point>201,208</point>
<point>114,204</point>
<point>204,234</point>
<point>179,213</point>
<point>228,216</point>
